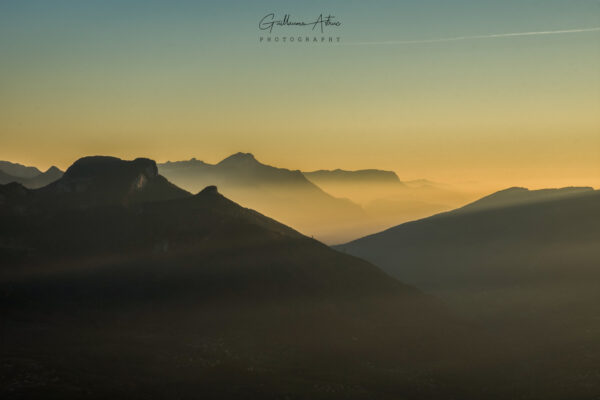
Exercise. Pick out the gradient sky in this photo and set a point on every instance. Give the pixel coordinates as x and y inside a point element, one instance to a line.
<point>179,79</point>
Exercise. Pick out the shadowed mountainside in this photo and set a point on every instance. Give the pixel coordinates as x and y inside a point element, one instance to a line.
<point>452,249</point>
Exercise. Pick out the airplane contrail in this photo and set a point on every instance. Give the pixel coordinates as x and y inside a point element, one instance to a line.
<point>457,38</point>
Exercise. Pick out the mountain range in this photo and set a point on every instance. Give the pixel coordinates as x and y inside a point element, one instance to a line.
<point>19,170</point>
<point>116,283</point>
<point>331,205</point>
<point>281,193</point>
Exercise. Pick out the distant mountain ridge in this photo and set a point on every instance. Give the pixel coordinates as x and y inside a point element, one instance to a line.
<point>19,170</point>
<point>386,199</point>
<point>30,177</point>
<point>239,168</point>
<point>516,196</point>
<point>363,176</point>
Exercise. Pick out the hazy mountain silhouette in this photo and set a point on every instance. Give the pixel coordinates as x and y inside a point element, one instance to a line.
<point>30,177</point>
<point>332,205</point>
<point>363,176</point>
<point>240,169</point>
<point>281,193</point>
<point>517,196</point>
<point>52,174</point>
<point>525,263</point>
<point>423,183</point>
<point>386,199</point>
<point>360,186</point>
<point>18,170</point>
<point>116,283</point>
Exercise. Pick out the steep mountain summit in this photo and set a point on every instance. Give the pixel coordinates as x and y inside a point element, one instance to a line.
<point>209,190</point>
<point>239,158</point>
<point>53,170</point>
<point>244,169</point>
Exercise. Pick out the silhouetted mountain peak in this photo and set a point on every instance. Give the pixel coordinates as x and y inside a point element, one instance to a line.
<point>53,170</point>
<point>239,158</point>
<point>209,191</point>
<point>104,166</point>
<point>101,180</point>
